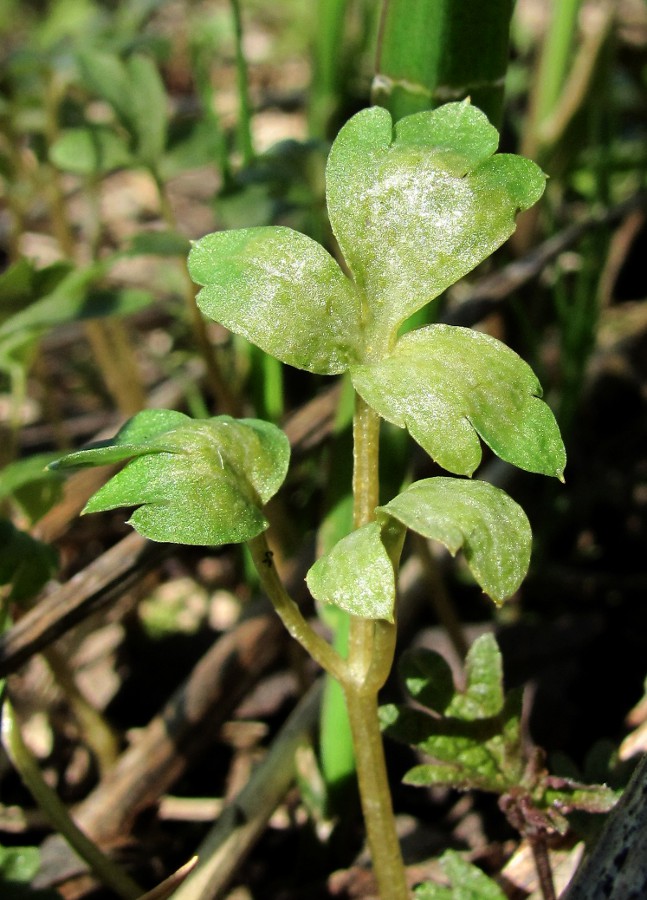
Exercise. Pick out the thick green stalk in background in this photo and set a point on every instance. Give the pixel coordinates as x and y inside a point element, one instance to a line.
<point>433,51</point>
<point>328,69</point>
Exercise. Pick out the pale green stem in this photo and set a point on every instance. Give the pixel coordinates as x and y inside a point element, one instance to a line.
<point>375,795</point>
<point>104,868</point>
<point>370,656</point>
<point>290,614</point>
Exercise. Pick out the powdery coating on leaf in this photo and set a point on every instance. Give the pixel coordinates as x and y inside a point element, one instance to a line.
<point>459,135</point>
<point>491,529</point>
<point>283,292</point>
<point>449,385</point>
<point>408,225</point>
<point>182,501</point>
<point>202,482</point>
<point>356,575</point>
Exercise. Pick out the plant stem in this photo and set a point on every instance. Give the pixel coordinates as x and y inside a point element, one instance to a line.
<point>375,795</point>
<point>370,656</point>
<point>433,51</point>
<point>290,614</point>
<point>103,867</point>
<point>542,864</point>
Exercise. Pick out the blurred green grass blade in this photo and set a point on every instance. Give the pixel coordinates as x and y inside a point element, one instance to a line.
<point>242,78</point>
<point>328,74</point>
<point>434,51</point>
<point>335,737</point>
<point>556,57</point>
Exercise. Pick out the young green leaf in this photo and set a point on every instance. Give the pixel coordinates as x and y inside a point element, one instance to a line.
<point>416,207</point>
<point>283,292</point>
<point>449,386</point>
<point>480,752</point>
<point>356,575</point>
<point>193,481</point>
<point>75,297</point>
<point>428,678</point>
<point>25,563</point>
<point>465,754</point>
<point>29,483</point>
<point>467,882</point>
<point>483,695</point>
<point>22,283</point>
<point>18,865</point>
<point>489,526</point>
<point>91,150</point>
<point>107,76</point>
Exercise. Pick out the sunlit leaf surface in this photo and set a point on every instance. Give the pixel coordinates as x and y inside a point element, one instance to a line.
<point>193,481</point>
<point>449,386</point>
<point>491,529</point>
<point>416,206</point>
<point>356,575</point>
<point>283,292</point>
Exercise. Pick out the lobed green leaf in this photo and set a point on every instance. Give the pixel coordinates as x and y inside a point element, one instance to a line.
<point>449,386</point>
<point>483,695</point>
<point>469,752</point>
<point>283,292</point>
<point>193,481</point>
<point>491,529</point>
<point>428,678</point>
<point>467,882</point>
<point>416,207</point>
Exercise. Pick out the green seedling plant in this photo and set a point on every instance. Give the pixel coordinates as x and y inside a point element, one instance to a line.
<point>413,207</point>
<point>474,740</point>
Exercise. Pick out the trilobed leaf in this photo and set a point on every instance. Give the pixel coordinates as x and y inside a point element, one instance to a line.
<point>449,386</point>
<point>283,292</point>
<point>490,528</point>
<point>193,481</point>
<point>416,206</point>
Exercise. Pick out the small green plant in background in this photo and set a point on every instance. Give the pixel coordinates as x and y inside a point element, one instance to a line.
<point>474,739</point>
<point>414,207</point>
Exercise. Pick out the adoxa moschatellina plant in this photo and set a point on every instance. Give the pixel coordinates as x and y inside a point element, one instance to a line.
<point>414,208</point>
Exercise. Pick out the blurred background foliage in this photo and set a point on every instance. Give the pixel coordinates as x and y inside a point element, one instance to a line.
<point>129,128</point>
